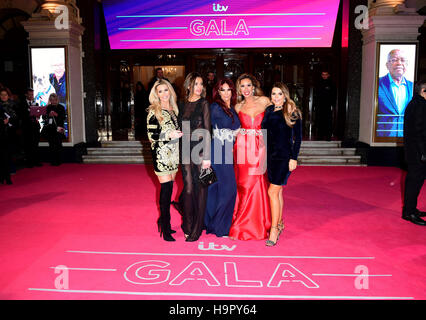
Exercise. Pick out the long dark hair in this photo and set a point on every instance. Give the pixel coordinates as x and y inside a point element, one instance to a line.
<point>189,84</point>
<point>218,99</point>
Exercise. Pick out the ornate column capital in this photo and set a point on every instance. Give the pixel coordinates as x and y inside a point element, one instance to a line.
<point>389,7</point>
<point>51,9</point>
<point>398,28</point>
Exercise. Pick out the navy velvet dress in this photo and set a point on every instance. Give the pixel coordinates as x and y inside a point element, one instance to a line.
<point>222,194</point>
<point>283,144</point>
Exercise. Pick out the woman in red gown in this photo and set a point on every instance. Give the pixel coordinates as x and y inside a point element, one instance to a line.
<point>252,216</point>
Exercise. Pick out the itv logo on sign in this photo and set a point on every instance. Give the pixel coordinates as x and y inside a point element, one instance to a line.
<point>219,8</point>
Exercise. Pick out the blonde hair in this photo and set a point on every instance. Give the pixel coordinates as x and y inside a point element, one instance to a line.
<point>154,100</point>
<point>291,112</point>
<point>53,96</point>
<point>189,84</point>
<point>256,85</point>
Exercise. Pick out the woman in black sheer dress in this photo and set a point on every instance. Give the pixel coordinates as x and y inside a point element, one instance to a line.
<point>194,115</point>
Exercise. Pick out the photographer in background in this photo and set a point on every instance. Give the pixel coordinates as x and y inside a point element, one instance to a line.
<point>31,129</point>
<point>415,153</point>
<point>53,128</point>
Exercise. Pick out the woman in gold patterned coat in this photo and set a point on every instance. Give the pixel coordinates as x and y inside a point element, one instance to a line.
<point>164,134</point>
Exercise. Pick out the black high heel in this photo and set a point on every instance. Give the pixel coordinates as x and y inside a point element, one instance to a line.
<point>159,226</point>
<point>189,239</point>
<point>164,235</point>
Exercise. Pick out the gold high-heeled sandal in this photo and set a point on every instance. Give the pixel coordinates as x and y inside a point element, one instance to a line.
<point>270,243</point>
<point>281,227</point>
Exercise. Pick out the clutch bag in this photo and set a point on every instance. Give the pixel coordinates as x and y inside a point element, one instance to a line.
<point>207,177</point>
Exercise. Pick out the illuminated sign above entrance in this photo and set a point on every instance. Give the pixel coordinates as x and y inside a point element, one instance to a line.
<point>167,24</point>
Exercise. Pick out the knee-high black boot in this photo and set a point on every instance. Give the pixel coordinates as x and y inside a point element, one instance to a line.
<point>164,220</point>
<point>166,200</point>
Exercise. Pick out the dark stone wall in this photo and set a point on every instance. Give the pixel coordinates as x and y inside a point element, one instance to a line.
<point>354,75</point>
<point>87,13</point>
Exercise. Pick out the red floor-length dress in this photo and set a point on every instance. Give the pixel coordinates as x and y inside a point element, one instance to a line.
<point>252,215</point>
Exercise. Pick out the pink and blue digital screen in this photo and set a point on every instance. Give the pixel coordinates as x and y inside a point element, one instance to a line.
<point>173,24</point>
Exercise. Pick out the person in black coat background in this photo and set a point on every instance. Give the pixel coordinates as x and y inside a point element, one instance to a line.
<point>31,130</point>
<point>415,153</point>
<point>159,75</point>
<point>10,112</point>
<point>4,149</point>
<point>324,102</point>
<point>54,128</point>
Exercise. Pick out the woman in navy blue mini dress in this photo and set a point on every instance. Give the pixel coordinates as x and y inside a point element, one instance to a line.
<point>283,122</point>
<point>222,194</point>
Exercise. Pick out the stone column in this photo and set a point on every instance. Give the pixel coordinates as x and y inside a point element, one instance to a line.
<point>58,23</point>
<point>389,21</point>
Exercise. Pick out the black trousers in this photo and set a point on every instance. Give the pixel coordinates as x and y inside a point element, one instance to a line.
<point>324,122</point>
<point>31,140</point>
<point>4,160</point>
<point>414,180</point>
<point>55,147</point>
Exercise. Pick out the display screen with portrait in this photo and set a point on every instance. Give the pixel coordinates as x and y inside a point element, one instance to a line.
<point>186,24</point>
<point>395,78</point>
<point>49,75</point>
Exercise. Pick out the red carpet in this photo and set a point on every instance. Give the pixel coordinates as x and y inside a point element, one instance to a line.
<point>344,239</point>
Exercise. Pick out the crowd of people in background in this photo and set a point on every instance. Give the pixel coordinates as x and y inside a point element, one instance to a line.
<point>22,128</point>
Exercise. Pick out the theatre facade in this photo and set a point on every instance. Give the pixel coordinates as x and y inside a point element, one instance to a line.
<point>105,47</point>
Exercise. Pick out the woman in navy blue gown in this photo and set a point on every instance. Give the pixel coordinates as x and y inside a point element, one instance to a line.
<point>225,125</point>
<point>283,122</point>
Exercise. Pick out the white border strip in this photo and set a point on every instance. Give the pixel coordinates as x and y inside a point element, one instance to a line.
<point>351,275</point>
<point>222,15</point>
<point>155,28</point>
<point>267,27</point>
<point>217,39</point>
<point>81,269</point>
<point>220,295</point>
<point>184,28</point>
<point>216,255</point>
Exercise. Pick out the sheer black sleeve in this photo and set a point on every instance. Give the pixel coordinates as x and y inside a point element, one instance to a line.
<point>205,107</point>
